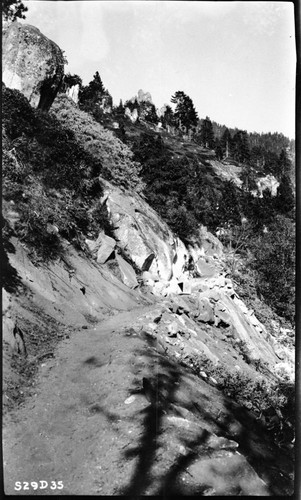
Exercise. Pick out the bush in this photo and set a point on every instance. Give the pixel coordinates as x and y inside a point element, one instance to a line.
<point>51,178</point>
<point>181,221</point>
<point>274,263</point>
<point>114,157</point>
<point>260,396</point>
<point>33,230</point>
<point>18,116</point>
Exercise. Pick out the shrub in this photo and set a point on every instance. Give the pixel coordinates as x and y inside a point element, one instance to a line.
<point>51,178</point>
<point>115,158</point>
<point>259,395</point>
<point>32,229</point>
<point>18,116</point>
<point>274,263</point>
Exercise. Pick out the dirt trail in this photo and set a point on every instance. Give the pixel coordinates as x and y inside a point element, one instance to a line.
<point>68,430</point>
<point>93,429</point>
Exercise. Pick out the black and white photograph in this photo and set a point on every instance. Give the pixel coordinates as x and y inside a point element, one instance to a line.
<point>148,257</point>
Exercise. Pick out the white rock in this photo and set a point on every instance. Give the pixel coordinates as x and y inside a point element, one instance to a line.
<point>130,400</point>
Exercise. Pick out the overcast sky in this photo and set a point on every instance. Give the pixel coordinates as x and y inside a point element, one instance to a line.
<point>236,60</point>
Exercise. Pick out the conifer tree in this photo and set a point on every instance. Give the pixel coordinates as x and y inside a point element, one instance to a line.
<point>148,111</point>
<point>206,135</point>
<point>218,149</point>
<point>240,147</point>
<point>168,118</point>
<point>285,201</point>
<point>185,115</point>
<point>93,93</point>
<point>283,164</point>
<point>226,143</point>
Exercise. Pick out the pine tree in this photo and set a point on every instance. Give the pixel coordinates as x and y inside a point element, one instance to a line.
<point>206,136</point>
<point>147,111</point>
<point>240,147</point>
<point>229,210</point>
<point>218,149</point>
<point>119,110</point>
<point>285,200</point>
<point>226,143</point>
<point>93,93</point>
<point>283,164</point>
<point>185,115</point>
<point>248,178</point>
<point>168,119</point>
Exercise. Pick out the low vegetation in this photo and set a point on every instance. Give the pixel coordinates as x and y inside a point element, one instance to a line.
<point>114,158</point>
<point>52,181</point>
<point>265,398</point>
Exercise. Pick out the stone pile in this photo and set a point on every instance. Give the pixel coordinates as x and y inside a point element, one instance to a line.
<point>173,271</point>
<point>191,274</point>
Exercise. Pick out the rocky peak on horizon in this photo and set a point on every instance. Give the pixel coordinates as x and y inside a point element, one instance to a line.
<point>142,97</point>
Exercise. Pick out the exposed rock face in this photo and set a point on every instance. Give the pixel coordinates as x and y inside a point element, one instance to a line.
<point>32,64</point>
<point>168,269</point>
<point>132,115</point>
<point>268,182</point>
<point>128,274</point>
<point>142,97</point>
<point>151,245</point>
<point>161,111</point>
<point>102,248</point>
<point>72,92</point>
<point>142,234</point>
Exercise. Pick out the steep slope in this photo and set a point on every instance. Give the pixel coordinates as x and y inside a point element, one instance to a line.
<point>131,364</point>
<point>114,407</point>
<point>130,371</point>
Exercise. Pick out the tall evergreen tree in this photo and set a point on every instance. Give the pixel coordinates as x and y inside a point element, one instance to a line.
<point>229,209</point>
<point>283,164</point>
<point>147,111</point>
<point>240,147</point>
<point>168,118</point>
<point>218,149</point>
<point>248,178</point>
<point>206,136</point>
<point>93,93</point>
<point>285,200</point>
<point>226,143</point>
<point>185,115</point>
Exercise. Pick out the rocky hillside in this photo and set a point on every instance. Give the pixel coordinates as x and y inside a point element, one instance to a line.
<point>135,361</point>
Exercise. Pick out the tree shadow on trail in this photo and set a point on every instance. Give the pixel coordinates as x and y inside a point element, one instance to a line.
<point>252,438</point>
<point>162,386</point>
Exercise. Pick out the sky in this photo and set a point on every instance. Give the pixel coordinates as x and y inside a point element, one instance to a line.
<point>235,60</point>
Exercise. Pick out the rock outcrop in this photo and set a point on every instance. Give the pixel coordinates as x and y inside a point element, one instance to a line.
<point>268,182</point>
<point>167,268</point>
<point>72,92</point>
<point>32,64</point>
<point>132,115</point>
<point>142,97</point>
<point>142,235</point>
<point>150,244</point>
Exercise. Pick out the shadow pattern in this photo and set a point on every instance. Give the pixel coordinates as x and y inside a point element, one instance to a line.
<point>275,470</point>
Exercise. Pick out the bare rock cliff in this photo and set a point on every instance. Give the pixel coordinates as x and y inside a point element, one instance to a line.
<point>32,64</point>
